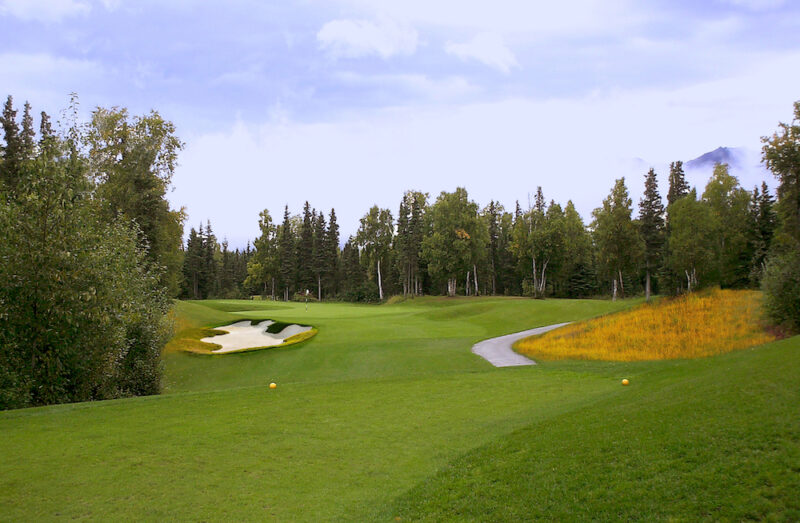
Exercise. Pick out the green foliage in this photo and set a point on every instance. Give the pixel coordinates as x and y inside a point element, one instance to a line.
<point>730,211</point>
<point>781,282</point>
<point>374,238</point>
<point>651,227</point>
<point>132,161</point>
<point>305,252</point>
<point>412,227</point>
<point>691,240</point>
<point>286,255</point>
<point>781,286</point>
<point>263,268</point>
<point>84,313</point>
<point>12,154</point>
<point>782,157</point>
<point>678,187</point>
<point>619,246</point>
<point>458,238</point>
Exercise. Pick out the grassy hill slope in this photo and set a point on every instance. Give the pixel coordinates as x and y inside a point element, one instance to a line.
<point>386,413</point>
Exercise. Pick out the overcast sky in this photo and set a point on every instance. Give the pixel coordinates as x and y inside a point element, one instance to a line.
<point>349,103</point>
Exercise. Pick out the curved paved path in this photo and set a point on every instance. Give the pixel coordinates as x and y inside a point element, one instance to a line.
<point>499,353</point>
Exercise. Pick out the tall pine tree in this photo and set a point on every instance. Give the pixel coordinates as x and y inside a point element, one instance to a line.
<point>651,228</point>
<point>286,255</point>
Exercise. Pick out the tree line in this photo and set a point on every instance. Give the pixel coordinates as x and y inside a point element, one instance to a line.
<point>452,246</point>
<point>90,253</point>
<point>723,236</point>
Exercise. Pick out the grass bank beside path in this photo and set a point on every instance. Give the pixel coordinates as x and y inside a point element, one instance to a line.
<point>694,325</point>
<point>422,336</point>
<point>716,439</point>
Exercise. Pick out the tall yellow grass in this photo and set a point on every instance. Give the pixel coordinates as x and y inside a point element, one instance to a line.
<point>691,326</point>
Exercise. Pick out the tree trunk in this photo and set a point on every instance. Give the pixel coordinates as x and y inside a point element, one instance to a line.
<point>475,278</point>
<point>380,285</point>
<point>273,289</point>
<point>542,281</point>
<point>535,280</point>
<point>614,292</point>
<point>466,287</point>
<point>319,287</point>
<point>688,281</point>
<point>647,286</point>
<point>621,285</point>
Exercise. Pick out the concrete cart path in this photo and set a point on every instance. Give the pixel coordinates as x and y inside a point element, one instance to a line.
<point>499,353</point>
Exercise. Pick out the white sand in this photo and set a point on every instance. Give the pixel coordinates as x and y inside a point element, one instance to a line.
<point>244,335</point>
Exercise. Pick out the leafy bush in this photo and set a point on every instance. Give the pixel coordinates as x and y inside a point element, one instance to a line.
<point>83,312</point>
<point>781,285</point>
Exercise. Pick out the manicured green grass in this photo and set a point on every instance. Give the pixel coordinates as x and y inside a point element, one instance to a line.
<point>412,338</point>
<point>386,413</point>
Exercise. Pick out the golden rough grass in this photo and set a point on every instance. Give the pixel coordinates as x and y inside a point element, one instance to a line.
<point>691,326</point>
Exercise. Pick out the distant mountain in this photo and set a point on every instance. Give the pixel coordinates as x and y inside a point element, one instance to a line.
<point>733,156</point>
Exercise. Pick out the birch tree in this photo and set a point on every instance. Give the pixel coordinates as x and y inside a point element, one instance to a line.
<point>619,247</point>
<point>374,237</point>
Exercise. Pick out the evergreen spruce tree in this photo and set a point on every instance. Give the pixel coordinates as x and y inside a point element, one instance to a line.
<point>678,188</point>
<point>28,135</point>
<point>507,283</point>
<point>353,275</point>
<point>492,216</point>
<point>209,279</point>
<point>286,255</point>
<point>305,252</point>
<point>763,223</point>
<point>194,265</point>
<point>651,228</point>
<point>419,228</point>
<point>320,252</point>
<point>11,152</point>
<point>401,245</point>
<point>45,129</point>
<point>332,254</point>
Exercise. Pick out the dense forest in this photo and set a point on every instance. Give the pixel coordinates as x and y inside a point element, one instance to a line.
<point>91,254</point>
<point>452,246</point>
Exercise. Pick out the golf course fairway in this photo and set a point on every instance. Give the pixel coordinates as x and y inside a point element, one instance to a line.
<point>386,414</point>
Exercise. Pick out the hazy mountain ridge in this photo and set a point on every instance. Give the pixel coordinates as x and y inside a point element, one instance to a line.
<point>733,156</point>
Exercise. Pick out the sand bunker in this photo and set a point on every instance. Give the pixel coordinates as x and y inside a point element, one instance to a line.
<point>245,335</point>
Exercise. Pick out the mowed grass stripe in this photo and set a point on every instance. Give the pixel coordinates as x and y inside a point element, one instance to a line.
<point>301,452</point>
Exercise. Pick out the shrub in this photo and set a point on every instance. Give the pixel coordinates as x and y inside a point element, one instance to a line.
<point>83,313</point>
<point>781,286</point>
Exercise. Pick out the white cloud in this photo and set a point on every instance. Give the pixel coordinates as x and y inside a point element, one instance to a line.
<point>357,38</point>
<point>757,5</point>
<point>487,48</point>
<point>573,148</point>
<point>44,10</point>
<point>534,20</point>
<point>46,80</point>
<point>447,89</point>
